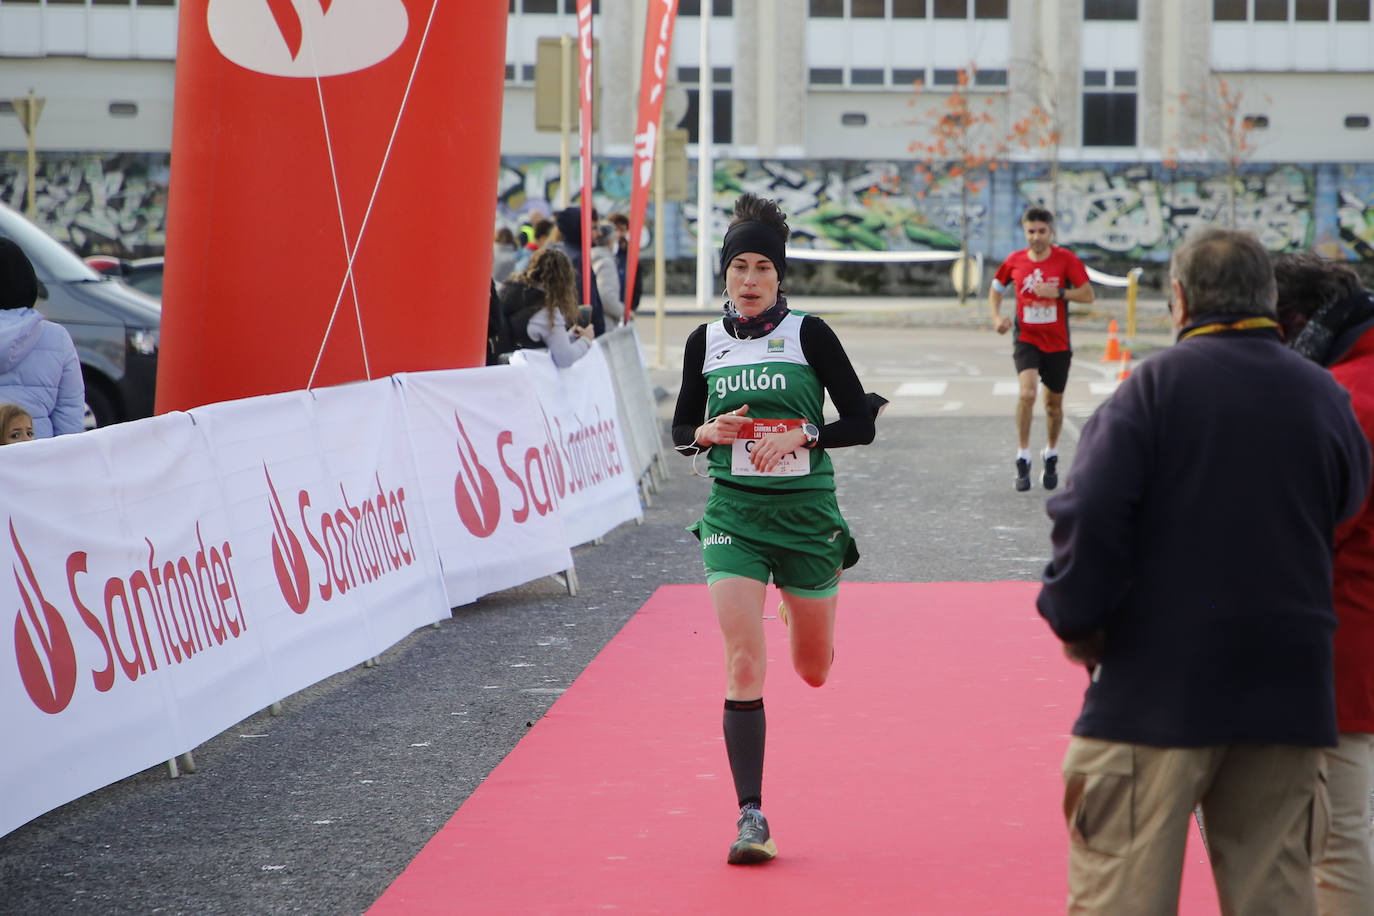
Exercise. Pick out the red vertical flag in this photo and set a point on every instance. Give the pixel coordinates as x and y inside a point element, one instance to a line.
<point>658,45</point>
<point>584,54</point>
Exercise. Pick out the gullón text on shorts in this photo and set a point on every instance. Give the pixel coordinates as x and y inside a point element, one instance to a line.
<point>751,380</point>
<point>717,540</point>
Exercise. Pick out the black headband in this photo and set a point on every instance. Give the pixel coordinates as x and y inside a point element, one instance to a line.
<point>758,237</point>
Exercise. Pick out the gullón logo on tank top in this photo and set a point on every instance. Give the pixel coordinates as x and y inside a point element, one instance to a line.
<point>750,379</point>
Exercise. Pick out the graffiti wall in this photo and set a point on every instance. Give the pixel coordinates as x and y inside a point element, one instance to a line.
<point>116,203</point>
<point>1354,198</point>
<point>113,203</point>
<point>1117,211</point>
<point>1142,212</point>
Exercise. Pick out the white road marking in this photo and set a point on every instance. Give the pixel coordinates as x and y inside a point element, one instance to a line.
<point>922,389</point>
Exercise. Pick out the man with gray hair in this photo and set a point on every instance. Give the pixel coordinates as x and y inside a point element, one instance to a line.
<point>1191,576</point>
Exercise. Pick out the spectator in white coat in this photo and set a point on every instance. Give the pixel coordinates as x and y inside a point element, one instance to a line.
<point>39,369</point>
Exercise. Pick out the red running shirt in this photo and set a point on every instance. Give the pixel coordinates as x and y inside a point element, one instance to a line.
<point>1042,323</point>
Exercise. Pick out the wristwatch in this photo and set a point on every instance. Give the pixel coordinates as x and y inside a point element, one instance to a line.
<point>813,435</point>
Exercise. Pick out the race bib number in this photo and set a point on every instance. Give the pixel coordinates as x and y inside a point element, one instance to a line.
<point>792,464</point>
<point>1040,314</point>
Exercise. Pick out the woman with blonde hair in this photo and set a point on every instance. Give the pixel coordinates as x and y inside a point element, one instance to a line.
<point>16,424</point>
<point>541,308</point>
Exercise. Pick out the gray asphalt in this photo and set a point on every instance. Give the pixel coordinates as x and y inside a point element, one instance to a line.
<point>317,810</point>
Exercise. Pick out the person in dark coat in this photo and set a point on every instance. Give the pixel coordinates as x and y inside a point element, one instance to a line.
<point>568,239</point>
<point>1191,577</point>
<point>1329,318</point>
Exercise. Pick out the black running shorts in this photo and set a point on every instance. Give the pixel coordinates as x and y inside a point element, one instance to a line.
<point>1052,367</point>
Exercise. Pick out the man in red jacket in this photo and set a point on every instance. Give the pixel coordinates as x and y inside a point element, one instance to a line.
<point>1329,318</point>
<point>1045,279</point>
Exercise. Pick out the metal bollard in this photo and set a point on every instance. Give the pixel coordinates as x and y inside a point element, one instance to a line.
<point>1132,291</point>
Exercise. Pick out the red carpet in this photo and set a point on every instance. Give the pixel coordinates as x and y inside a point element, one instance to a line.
<point>924,778</point>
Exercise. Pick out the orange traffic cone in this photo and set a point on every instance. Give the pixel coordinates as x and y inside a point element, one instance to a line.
<point>1125,366</point>
<point>1113,352</point>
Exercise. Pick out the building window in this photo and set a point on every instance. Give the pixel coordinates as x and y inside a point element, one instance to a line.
<point>1108,119</point>
<point>1255,122</point>
<point>946,77</point>
<point>907,9</point>
<point>1271,10</point>
<point>990,78</point>
<point>510,73</point>
<point>570,6</point>
<point>123,110</point>
<point>906,77</point>
<point>1109,108</point>
<point>527,73</point>
<point>1352,10</point>
<point>693,7</point>
<point>865,76</point>
<point>1357,122</point>
<point>722,115</point>
<point>826,76</point>
<point>853,119</point>
<point>539,6</point>
<point>1228,10</point>
<point>721,75</point>
<point>1110,9</point>
<point>1311,10</point>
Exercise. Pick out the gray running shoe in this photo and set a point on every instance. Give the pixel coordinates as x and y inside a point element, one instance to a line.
<point>1023,475</point>
<point>754,844</point>
<point>1049,478</point>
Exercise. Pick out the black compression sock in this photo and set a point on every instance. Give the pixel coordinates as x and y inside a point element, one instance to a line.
<point>745,728</point>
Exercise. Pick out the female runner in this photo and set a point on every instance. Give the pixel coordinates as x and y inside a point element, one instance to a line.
<point>761,373</point>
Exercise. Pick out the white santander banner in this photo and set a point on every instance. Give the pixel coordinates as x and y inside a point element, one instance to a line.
<point>326,497</point>
<point>593,476</point>
<point>482,443</point>
<point>172,576</point>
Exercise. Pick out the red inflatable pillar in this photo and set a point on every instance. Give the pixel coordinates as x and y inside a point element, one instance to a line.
<point>333,192</point>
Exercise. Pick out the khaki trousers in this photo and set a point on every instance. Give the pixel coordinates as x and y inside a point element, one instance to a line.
<point>1128,808</point>
<point>1345,874</point>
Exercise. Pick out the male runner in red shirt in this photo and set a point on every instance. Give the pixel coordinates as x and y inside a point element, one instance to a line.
<point>1046,278</point>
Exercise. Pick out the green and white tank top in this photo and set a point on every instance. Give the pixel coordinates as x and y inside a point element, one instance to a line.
<point>772,376</point>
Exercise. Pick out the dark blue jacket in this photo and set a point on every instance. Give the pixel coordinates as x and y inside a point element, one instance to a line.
<point>1195,531</point>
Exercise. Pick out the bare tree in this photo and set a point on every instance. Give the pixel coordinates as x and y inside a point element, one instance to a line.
<point>1040,131</point>
<point>964,145</point>
<point>1219,127</point>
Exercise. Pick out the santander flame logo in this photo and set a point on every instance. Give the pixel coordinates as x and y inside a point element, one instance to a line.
<point>293,575</point>
<point>474,490</point>
<point>47,668</point>
<point>307,38</point>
